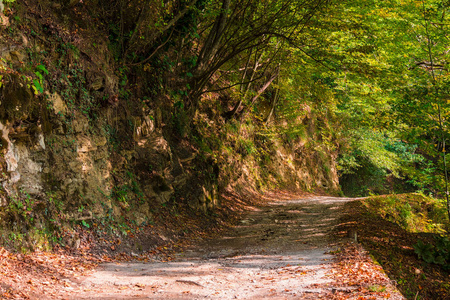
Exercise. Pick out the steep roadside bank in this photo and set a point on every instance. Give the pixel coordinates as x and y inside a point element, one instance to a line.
<point>92,145</point>
<point>391,240</point>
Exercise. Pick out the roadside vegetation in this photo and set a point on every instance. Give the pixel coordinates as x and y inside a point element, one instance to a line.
<point>407,235</point>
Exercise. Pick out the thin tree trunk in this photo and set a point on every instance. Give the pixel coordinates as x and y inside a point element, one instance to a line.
<point>275,97</point>
<point>158,33</point>
<point>247,88</point>
<point>444,158</point>
<point>441,122</point>
<point>212,42</point>
<point>263,89</point>
<point>274,103</point>
<point>244,74</point>
<point>259,93</point>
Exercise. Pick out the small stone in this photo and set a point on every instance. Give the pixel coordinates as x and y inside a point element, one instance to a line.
<point>57,102</point>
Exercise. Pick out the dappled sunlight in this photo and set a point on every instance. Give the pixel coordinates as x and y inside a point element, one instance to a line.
<point>280,252</point>
<point>286,274</point>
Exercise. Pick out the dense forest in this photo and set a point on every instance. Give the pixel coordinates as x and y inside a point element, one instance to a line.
<point>372,74</point>
<point>118,115</point>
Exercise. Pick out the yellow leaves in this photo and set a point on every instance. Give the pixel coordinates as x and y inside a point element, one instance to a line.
<point>147,67</point>
<point>387,13</point>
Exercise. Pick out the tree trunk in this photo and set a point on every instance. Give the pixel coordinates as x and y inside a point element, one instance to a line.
<point>212,42</point>
<point>157,33</point>
<point>274,103</point>
<point>259,93</point>
<point>247,88</point>
<point>439,105</point>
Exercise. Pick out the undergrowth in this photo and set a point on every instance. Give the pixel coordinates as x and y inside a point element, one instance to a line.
<point>407,235</point>
<point>414,212</point>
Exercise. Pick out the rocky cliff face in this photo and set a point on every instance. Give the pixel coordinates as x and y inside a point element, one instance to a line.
<point>79,143</point>
<point>107,164</point>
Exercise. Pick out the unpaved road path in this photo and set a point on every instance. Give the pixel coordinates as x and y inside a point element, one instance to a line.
<point>279,251</point>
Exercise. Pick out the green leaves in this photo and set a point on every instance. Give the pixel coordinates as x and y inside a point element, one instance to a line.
<point>38,83</point>
<point>424,251</point>
<point>85,224</point>
<point>435,254</point>
<point>38,89</point>
<point>380,149</point>
<point>388,61</point>
<point>42,69</point>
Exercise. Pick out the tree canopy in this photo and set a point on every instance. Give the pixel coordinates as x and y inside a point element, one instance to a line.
<point>374,72</point>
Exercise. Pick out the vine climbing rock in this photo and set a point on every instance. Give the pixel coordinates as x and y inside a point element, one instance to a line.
<point>284,250</point>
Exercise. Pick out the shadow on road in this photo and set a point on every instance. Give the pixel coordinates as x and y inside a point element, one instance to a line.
<point>277,251</point>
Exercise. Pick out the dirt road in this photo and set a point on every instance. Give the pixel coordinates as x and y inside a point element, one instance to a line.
<point>279,251</point>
